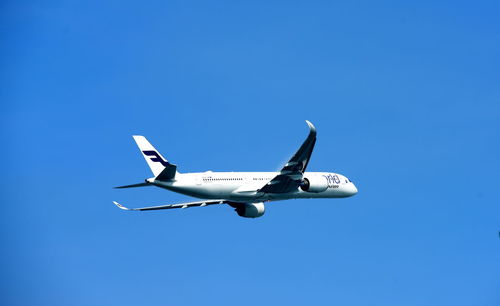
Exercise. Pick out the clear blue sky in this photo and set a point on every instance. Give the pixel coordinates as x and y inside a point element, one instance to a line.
<point>406,100</point>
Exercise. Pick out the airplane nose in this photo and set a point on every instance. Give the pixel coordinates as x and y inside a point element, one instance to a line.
<point>354,189</point>
<point>351,190</point>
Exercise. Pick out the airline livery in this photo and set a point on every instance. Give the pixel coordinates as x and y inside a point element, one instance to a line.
<point>246,192</point>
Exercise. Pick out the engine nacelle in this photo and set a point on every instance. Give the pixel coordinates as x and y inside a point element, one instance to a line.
<point>250,210</point>
<point>314,183</point>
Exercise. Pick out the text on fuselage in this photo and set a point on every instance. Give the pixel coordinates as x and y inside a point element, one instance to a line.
<point>333,180</point>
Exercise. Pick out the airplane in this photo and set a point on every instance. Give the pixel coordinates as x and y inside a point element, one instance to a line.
<point>246,192</point>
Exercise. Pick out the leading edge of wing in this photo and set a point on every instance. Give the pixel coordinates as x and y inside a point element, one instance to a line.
<point>172,206</point>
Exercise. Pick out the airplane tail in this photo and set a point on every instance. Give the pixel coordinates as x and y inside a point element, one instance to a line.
<point>161,168</point>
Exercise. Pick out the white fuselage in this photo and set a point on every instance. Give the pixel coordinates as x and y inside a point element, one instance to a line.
<point>244,186</point>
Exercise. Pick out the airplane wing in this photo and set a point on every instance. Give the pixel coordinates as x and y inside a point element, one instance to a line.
<point>291,174</point>
<point>171,206</point>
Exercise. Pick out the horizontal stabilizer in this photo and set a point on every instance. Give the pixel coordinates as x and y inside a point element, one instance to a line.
<point>134,185</point>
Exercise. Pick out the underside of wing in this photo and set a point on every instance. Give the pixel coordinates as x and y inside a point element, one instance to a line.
<point>172,206</point>
<point>291,174</point>
<point>281,183</point>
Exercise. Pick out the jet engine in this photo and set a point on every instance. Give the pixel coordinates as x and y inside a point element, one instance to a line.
<point>314,183</point>
<point>250,210</point>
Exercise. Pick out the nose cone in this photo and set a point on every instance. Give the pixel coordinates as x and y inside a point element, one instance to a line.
<point>354,189</point>
<point>350,190</point>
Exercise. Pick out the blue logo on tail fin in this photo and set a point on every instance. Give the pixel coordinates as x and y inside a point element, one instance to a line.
<point>155,157</point>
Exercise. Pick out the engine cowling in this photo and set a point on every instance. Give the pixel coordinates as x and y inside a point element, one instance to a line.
<point>315,183</point>
<point>250,210</point>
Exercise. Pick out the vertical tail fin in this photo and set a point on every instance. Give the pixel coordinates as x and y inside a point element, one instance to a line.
<point>161,168</point>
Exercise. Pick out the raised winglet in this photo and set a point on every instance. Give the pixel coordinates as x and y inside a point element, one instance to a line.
<point>120,206</point>
<point>311,127</point>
